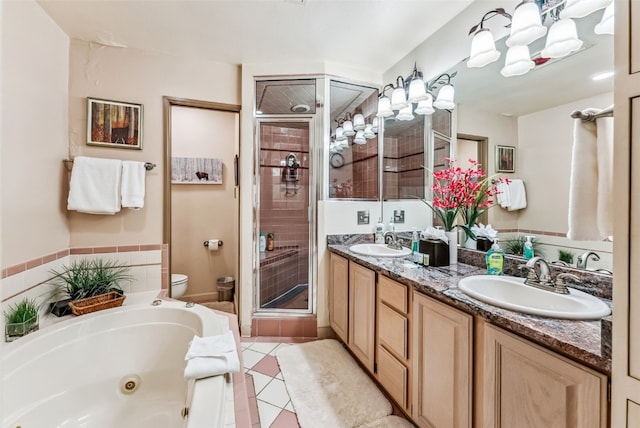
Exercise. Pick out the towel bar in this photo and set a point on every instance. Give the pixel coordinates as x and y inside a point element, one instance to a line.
<point>69,163</point>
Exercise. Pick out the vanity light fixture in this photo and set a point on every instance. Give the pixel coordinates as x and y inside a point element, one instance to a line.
<point>347,127</point>
<point>418,92</point>
<point>605,26</point>
<point>518,61</point>
<point>358,122</point>
<point>359,138</point>
<point>368,132</point>
<point>562,39</point>
<point>582,8</point>
<point>526,24</point>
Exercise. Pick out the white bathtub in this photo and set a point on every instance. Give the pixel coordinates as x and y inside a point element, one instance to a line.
<point>72,374</point>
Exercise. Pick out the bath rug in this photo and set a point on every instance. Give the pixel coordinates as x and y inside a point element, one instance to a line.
<point>328,388</point>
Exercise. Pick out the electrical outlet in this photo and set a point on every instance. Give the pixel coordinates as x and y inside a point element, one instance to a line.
<point>398,216</point>
<point>363,217</point>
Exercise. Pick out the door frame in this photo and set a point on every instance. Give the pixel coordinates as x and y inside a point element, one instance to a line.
<point>167,104</point>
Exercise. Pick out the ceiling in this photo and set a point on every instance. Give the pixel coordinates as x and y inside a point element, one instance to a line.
<point>370,35</point>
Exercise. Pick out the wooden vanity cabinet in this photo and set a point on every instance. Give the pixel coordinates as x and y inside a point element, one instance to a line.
<point>521,384</point>
<point>443,365</point>
<point>393,340</point>
<point>339,296</point>
<point>362,313</point>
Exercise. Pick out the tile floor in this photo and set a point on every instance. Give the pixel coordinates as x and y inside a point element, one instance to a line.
<point>268,397</point>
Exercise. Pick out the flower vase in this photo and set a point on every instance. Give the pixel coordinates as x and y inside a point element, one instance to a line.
<point>452,235</point>
<point>470,243</point>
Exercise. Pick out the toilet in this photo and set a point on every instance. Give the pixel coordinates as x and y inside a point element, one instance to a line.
<point>178,284</point>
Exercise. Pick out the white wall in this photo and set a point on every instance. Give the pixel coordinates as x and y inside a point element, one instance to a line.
<point>34,84</point>
<point>136,76</point>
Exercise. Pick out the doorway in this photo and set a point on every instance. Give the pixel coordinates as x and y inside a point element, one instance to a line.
<point>284,183</point>
<point>476,148</point>
<point>202,197</point>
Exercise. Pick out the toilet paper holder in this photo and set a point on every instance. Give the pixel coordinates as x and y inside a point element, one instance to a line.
<point>206,243</point>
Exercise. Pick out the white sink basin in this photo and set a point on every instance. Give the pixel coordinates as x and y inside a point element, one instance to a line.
<point>511,293</point>
<point>379,250</point>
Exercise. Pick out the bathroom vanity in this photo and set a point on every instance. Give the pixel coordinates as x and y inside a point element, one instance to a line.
<point>449,360</point>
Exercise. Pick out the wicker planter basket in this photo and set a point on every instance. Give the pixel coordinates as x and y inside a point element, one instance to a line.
<point>109,300</point>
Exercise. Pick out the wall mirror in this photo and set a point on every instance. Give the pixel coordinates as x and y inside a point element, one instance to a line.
<point>531,113</point>
<point>353,150</point>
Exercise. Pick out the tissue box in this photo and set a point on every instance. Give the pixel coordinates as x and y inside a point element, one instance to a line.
<point>484,244</point>
<point>438,251</point>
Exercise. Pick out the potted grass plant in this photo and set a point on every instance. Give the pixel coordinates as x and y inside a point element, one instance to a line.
<point>92,284</point>
<point>21,319</point>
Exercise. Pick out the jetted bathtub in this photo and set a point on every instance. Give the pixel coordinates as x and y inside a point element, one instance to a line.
<point>120,367</point>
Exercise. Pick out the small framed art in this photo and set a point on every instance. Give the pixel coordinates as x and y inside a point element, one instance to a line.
<point>114,124</point>
<point>505,159</point>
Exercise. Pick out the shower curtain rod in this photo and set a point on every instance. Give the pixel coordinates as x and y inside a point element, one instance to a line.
<point>590,117</point>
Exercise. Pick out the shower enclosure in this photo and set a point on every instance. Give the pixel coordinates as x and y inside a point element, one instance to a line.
<point>285,178</point>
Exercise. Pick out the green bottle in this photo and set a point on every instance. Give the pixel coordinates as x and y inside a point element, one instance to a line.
<point>495,259</point>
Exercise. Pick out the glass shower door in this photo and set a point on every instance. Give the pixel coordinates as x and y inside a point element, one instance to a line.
<point>284,189</point>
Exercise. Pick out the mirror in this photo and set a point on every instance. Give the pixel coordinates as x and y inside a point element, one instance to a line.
<point>531,114</point>
<point>353,159</point>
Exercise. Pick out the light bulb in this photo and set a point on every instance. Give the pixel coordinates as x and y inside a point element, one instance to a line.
<point>445,98</point>
<point>398,98</point>
<point>526,25</point>
<point>562,39</point>
<point>358,122</point>
<point>348,128</point>
<point>417,91</point>
<point>483,49</point>
<point>517,62</point>
<point>384,107</point>
<point>425,106</point>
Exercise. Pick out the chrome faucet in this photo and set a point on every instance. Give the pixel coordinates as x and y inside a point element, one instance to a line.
<point>544,275</point>
<point>584,258</point>
<point>391,239</point>
<point>541,278</point>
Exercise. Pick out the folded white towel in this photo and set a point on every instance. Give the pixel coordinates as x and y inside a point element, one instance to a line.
<point>133,184</point>
<point>201,367</point>
<point>211,346</point>
<point>95,185</point>
<point>604,143</point>
<point>583,183</point>
<point>517,195</point>
<point>502,198</point>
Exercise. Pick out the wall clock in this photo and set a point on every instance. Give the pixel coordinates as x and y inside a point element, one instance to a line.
<point>336,160</point>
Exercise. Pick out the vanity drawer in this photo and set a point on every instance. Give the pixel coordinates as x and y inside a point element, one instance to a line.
<point>393,331</point>
<point>393,294</point>
<point>393,376</point>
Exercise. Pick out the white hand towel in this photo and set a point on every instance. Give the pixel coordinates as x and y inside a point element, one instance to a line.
<point>201,367</point>
<point>211,346</point>
<point>604,143</point>
<point>517,195</point>
<point>583,182</point>
<point>133,184</point>
<point>502,197</point>
<point>95,185</point>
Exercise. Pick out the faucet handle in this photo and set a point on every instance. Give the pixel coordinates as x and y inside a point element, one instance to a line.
<point>560,284</point>
<point>531,272</point>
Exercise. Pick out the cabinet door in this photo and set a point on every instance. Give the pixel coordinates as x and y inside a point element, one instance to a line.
<point>339,296</point>
<point>524,385</point>
<point>362,305</point>
<point>442,354</point>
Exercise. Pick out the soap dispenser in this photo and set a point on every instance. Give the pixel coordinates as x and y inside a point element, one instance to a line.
<point>379,235</point>
<point>527,251</point>
<point>495,259</point>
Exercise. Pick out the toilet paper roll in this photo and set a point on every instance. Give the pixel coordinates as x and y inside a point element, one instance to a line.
<point>213,244</point>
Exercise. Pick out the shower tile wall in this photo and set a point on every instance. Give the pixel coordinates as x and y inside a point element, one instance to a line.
<point>283,205</point>
<point>403,161</point>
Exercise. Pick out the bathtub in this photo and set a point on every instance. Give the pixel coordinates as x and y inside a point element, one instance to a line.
<point>120,367</point>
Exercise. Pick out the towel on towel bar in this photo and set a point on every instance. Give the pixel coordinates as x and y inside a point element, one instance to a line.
<point>133,184</point>
<point>591,179</point>
<point>95,185</point>
<point>211,356</point>
<point>517,195</point>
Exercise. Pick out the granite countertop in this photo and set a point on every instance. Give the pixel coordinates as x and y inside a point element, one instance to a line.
<point>578,340</point>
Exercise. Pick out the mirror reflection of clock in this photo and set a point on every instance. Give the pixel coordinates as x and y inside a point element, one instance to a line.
<point>336,160</point>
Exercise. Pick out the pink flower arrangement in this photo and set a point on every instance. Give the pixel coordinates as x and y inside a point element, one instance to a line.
<point>467,192</point>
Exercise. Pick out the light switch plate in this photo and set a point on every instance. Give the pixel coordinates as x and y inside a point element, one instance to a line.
<point>363,217</point>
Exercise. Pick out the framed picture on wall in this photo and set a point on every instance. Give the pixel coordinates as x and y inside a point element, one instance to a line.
<point>505,159</point>
<point>114,124</point>
<point>196,170</point>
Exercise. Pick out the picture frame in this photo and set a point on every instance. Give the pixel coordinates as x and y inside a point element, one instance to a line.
<point>114,124</point>
<point>196,170</point>
<point>505,159</point>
